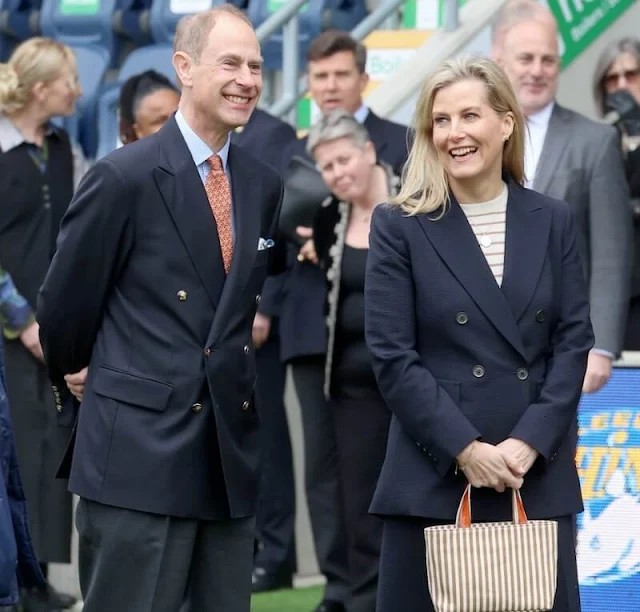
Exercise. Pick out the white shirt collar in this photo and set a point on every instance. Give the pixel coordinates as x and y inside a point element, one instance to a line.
<point>361,114</point>
<point>542,117</point>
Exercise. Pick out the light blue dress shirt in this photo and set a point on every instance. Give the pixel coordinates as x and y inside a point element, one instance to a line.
<point>201,152</point>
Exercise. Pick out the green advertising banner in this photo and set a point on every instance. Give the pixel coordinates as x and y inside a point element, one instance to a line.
<point>276,5</point>
<point>424,14</point>
<point>79,7</point>
<point>580,22</point>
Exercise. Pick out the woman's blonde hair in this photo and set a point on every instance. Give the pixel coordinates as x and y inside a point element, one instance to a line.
<point>424,181</point>
<point>36,60</point>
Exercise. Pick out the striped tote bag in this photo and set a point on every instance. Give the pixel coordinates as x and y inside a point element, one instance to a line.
<point>492,567</point>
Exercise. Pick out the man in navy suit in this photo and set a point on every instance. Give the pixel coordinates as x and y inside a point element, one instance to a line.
<point>154,287</point>
<point>336,78</point>
<point>268,138</point>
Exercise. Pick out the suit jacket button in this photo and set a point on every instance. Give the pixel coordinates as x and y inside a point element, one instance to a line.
<point>478,371</point>
<point>246,349</point>
<point>182,295</point>
<point>540,316</point>
<point>522,373</point>
<point>462,318</point>
<point>207,352</point>
<point>245,405</point>
<point>196,407</point>
<point>258,299</point>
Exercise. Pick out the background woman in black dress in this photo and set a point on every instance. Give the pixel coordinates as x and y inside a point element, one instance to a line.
<point>346,159</point>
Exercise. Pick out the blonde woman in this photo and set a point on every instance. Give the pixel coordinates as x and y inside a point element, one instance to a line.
<point>477,319</point>
<point>36,182</point>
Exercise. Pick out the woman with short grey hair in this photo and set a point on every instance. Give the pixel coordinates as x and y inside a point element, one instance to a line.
<point>347,161</point>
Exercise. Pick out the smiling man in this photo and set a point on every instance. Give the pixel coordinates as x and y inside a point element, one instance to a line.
<point>572,158</point>
<point>154,287</point>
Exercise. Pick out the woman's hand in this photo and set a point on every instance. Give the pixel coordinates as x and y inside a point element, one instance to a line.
<point>518,455</point>
<point>485,466</point>
<point>308,250</point>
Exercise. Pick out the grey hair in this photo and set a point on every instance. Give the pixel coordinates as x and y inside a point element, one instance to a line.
<point>334,125</point>
<point>609,55</point>
<point>513,13</point>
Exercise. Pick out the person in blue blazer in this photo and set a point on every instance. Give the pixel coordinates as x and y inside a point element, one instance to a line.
<point>477,319</point>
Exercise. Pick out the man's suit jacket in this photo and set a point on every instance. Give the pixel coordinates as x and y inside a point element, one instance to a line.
<point>303,328</point>
<point>268,139</point>
<point>581,163</point>
<point>137,291</point>
<point>459,358</point>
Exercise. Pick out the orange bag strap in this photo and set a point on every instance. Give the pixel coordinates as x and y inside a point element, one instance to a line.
<point>463,516</point>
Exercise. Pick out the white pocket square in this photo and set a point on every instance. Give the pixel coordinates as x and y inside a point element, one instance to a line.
<point>265,244</point>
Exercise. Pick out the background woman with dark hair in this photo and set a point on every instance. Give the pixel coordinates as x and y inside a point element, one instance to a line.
<point>618,70</point>
<point>147,101</point>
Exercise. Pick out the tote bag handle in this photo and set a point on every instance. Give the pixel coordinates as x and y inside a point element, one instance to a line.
<point>463,517</point>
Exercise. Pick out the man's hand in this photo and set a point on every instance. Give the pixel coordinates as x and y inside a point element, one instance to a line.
<point>308,250</point>
<point>261,329</point>
<point>518,455</point>
<point>75,383</point>
<point>30,337</point>
<point>598,372</point>
<point>484,466</point>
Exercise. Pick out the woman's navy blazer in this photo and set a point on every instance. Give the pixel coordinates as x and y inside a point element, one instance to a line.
<point>458,357</point>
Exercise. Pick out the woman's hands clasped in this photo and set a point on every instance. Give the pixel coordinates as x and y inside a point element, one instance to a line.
<point>498,467</point>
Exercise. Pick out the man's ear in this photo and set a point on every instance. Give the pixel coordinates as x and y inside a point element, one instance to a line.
<point>182,64</point>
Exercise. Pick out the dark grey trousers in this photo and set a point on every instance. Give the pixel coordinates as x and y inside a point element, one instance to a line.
<point>150,563</point>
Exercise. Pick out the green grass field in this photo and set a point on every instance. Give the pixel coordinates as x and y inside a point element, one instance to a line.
<point>296,600</point>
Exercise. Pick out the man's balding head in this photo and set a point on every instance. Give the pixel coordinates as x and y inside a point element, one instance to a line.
<point>512,13</point>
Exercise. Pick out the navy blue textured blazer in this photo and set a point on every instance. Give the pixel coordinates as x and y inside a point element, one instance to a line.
<point>137,291</point>
<point>459,358</point>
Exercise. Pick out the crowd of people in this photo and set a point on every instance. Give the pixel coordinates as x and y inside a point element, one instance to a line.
<point>456,287</point>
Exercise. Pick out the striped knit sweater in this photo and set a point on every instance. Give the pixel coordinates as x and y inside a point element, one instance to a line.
<point>488,221</point>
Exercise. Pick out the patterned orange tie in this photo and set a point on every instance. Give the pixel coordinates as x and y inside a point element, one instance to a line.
<point>219,194</point>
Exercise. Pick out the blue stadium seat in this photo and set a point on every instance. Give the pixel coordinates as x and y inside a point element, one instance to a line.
<point>81,23</point>
<point>131,20</point>
<point>318,15</point>
<point>18,21</point>
<point>157,57</point>
<point>93,63</point>
<point>165,14</point>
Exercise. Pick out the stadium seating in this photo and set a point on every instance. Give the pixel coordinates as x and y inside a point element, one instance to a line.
<point>18,21</point>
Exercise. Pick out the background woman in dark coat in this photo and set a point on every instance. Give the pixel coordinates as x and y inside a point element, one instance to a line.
<point>479,346</point>
<point>346,158</point>
<point>36,183</point>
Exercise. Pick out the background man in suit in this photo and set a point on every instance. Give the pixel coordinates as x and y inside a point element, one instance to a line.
<point>572,158</point>
<point>336,78</point>
<point>154,286</point>
<point>268,138</point>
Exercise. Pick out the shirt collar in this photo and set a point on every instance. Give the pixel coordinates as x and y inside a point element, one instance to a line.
<point>11,137</point>
<point>361,114</point>
<point>200,150</point>
<point>542,117</point>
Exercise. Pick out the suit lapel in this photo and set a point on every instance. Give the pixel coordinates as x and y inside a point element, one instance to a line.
<point>458,247</point>
<point>245,191</point>
<point>527,238</point>
<point>373,125</point>
<point>555,142</point>
<point>184,196</point>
